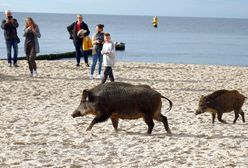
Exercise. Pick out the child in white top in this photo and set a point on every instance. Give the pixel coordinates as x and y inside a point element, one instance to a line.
<point>108,51</point>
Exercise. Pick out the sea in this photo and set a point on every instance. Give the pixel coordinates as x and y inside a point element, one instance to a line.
<point>181,40</point>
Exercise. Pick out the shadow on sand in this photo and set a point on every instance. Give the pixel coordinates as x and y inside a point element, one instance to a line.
<point>8,78</point>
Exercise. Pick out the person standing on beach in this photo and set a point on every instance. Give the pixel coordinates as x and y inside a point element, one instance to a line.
<point>108,51</point>
<point>74,29</point>
<point>9,25</point>
<point>31,45</point>
<point>97,41</point>
<point>87,48</point>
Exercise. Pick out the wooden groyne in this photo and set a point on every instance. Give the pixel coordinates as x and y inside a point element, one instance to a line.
<point>118,46</point>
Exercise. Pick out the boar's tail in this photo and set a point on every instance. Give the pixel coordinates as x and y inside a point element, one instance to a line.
<point>171,104</point>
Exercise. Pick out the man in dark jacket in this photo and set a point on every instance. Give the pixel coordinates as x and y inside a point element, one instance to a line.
<point>9,25</point>
<point>73,29</point>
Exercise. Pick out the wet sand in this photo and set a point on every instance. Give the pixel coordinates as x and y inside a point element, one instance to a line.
<point>37,130</point>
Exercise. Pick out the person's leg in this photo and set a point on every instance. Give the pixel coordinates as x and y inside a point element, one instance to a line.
<point>32,59</point>
<point>28,55</point>
<point>78,51</point>
<point>111,75</point>
<point>100,59</point>
<point>15,46</point>
<point>8,46</point>
<point>93,66</point>
<point>106,74</point>
<point>86,54</point>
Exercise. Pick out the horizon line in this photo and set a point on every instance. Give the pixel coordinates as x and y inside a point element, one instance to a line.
<point>212,17</point>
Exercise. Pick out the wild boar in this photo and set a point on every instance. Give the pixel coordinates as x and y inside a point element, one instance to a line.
<point>117,100</point>
<point>222,101</point>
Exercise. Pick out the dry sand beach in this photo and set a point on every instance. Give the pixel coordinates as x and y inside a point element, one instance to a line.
<point>37,130</point>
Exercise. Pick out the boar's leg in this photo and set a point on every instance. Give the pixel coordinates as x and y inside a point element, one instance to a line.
<point>219,115</point>
<point>164,120</point>
<point>213,117</point>
<point>115,123</point>
<point>166,125</point>
<point>148,120</point>
<point>99,118</point>
<point>236,112</point>
<point>242,115</point>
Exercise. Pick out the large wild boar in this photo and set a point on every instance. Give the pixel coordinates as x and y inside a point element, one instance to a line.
<point>222,101</point>
<point>117,100</point>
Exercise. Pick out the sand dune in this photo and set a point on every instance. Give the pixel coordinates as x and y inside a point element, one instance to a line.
<point>36,129</point>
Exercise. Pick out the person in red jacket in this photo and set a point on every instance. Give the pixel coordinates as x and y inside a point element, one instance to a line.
<point>73,29</point>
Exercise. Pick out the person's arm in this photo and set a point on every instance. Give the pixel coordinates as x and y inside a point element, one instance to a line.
<point>112,48</point>
<point>104,49</point>
<point>94,41</point>
<point>87,29</point>
<point>37,32</point>
<point>15,23</point>
<point>4,24</point>
<point>70,27</point>
<point>25,31</point>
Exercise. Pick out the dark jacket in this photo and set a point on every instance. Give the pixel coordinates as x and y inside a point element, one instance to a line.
<point>36,36</point>
<point>10,32</point>
<point>72,29</point>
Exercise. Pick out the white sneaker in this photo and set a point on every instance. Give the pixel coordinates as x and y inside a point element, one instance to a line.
<point>35,73</point>
<point>91,77</point>
<point>99,76</point>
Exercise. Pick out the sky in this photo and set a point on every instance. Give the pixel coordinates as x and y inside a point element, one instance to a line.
<point>185,8</point>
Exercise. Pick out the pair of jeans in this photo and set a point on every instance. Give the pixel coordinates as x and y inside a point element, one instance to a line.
<point>10,44</point>
<point>108,73</point>
<point>98,56</point>
<point>79,52</point>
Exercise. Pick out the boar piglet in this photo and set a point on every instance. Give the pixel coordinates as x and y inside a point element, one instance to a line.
<point>222,101</point>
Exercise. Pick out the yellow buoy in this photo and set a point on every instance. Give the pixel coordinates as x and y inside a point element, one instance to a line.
<point>155,21</point>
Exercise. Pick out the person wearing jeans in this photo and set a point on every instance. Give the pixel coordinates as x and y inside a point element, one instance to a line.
<point>97,41</point>
<point>74,29</point>
<point>9,25</point>
<point>12,44</point>
<point>96,57</point>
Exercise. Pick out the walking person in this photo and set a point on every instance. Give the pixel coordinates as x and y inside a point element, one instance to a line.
<point>75,30</point>
<point>9,25</point>
<point>31,45</point>
<point>97,41</point>
<point>108,51</point>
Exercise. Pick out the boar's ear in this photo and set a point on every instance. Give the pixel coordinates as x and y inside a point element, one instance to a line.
<point>202,97</point>
<point>85,95</point>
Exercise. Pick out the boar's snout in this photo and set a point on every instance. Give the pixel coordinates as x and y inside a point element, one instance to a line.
<point>76,113</point>
<point>198,112</point>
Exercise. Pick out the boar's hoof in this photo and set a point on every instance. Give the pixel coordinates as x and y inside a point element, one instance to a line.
<point>223,121</point>
<point>169,132</point>
<point>89,128</point>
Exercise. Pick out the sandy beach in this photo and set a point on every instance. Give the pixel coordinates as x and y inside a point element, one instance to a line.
<point>37,130</point>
